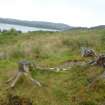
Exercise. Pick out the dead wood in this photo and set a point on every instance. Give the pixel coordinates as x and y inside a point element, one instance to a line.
<point>87,52</point>
<point>24,68</point>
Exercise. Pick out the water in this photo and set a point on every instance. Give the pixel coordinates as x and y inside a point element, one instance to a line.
<point>22,28</point>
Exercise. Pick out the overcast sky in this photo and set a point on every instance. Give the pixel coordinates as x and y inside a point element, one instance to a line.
<point>72,12</point>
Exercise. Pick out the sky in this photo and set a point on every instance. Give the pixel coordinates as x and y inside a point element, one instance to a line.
<point>85,13</point>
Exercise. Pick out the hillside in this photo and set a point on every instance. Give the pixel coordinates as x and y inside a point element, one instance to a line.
<point>38,24</point>
<point>52,49</point>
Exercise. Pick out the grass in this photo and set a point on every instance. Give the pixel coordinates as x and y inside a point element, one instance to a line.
<point>49,49</point>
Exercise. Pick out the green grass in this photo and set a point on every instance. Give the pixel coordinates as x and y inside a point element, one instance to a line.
<point>49,49</point>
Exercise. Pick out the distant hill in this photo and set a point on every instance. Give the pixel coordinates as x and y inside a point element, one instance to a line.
<point>38,24</point>
<point>98,27</point>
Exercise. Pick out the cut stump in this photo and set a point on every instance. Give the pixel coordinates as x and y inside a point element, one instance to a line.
<point>24,68</point>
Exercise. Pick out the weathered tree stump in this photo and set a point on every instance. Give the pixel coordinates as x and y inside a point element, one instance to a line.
<point>87,52</point>
<point>100,61</point>
<point>24,68</point>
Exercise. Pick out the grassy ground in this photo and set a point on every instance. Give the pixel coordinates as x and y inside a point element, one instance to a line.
<point>49,49</point>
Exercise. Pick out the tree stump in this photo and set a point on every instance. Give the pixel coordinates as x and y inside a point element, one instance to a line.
<point>87,52</point>
<point>24,68</point>
<point>101,60</point>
